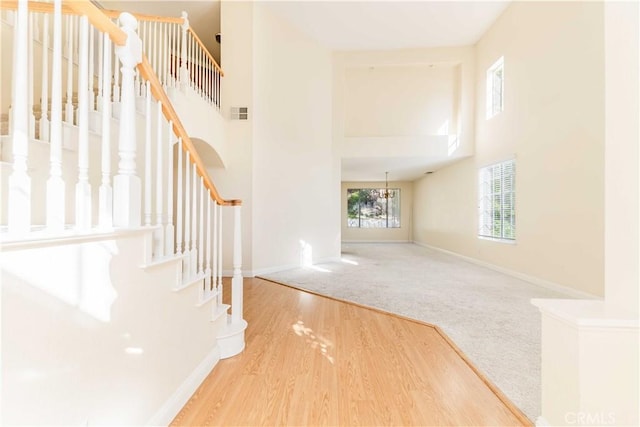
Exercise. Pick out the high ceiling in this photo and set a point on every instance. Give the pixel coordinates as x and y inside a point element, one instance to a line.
<point>391,24</point>
<point>354,25</point>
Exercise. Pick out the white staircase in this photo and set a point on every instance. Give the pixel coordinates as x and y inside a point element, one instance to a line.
<point>111,230</point>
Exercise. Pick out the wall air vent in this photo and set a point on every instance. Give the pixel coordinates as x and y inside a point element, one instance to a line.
<point>239,113</point>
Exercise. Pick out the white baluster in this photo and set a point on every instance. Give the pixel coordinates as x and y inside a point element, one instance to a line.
<point>101,72</point>
<point>147,156</point>
<point>186,261</point>
<point>68,116</point>
<point>19,220</point>
<point>36,28</point>
<point>207,269</point>
<point>91,100</point>
<point>194,221</point>
<point>201,229</point>
<point>55,184</point>
<point>83,188</point>
<point>44,99</point>
<point>237,280</point>
<point>156,61</point>
<point>160,168</point>
<point>31,66</point>
<point>179,202</point>
<point>214,253</point>
<point>220,252</point>
<point>106,192</point>
<point>126,185</point>
<point>184,74</point>
<point>170,229</point>
<point>116,80</point>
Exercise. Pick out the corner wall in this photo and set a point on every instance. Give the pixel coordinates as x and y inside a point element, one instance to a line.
<point>553,124</point>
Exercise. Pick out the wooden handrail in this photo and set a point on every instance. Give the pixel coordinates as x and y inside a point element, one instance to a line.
<point>67,10</point>
<point>101,21</point>
<point>206,51</point>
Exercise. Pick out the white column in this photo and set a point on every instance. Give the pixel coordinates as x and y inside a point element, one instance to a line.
<point>44,100</point>
<point>237,280</point>
<point>219,278</point>
<point>83,188</point>
<point>186,262</point>
<point>184,74</point>
<point>106,192</point>
<point>126,185</point>
<point>55,184</point>
<point>19,214</point>
<point>68,116</point>
<point>201,229</point>
<point>214,253</point>
<point>170,229</point>
<point>160,171</point>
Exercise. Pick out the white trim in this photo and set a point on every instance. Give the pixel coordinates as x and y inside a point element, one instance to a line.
<point>276,269</point>
<point>531,279</point>
<point>183,393</point>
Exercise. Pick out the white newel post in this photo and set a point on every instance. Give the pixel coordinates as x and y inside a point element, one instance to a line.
<point>126,184</point>
<point>83,188</point>
<point>184,74</point>
<point>237,280</point>
<point>55,184</point>
<point>19,220</point>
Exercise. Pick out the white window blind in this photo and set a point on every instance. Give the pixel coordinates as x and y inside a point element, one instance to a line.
<point>495,88</point>
<point>497,197</point>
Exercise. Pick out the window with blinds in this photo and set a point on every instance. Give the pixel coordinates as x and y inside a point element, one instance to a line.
<point>497,198</point>
<point>495,88</point>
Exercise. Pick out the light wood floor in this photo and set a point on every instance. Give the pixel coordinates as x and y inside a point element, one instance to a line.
<point>311,360</point>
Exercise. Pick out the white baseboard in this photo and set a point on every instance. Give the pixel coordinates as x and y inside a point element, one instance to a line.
<point>183,393</point>
<point>377,241</point>
<point>531,279</point>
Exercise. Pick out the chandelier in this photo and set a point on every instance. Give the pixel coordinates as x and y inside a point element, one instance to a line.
<point>386,193</point>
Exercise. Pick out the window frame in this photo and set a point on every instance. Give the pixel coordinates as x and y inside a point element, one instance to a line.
<point>497,186</point>
<point>494,108</point>
<point>380,191</point>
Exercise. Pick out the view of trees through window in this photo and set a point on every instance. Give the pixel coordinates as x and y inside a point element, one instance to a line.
<point>369,208</point>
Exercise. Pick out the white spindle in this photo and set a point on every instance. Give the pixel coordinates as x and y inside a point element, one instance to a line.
<point>186,261</point>
<point>126,185</point>
<point>55,184</point>
<point>214,253</point>
<point>44,99</point>
<point>116,78</point>
<point>179,202</point>
<point>19,220</point>
<point>220,252</point>
<point>30,67</point>
<point>237,280</point>
<point>184,76</point>
<point>36,28</point>
<point>207,256</point>
<point>68,116</point>
<point>147,156</point>
<point>106,192</point>
<point>91,100</point>
<point>160,168</point>
<point>83,188</point>
<point>170,229</point>
<point>101,72</point>
<point>201,229</point>
<point>155,47</point>
<point>194,220</point>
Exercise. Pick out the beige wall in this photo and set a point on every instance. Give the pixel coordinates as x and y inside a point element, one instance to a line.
<point>402,234</point>
<point>399,100</point>
<point>553,124</point>
<point>295,195</point>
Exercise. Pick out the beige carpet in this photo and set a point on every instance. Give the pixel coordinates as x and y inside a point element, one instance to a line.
<point>486,313</point>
